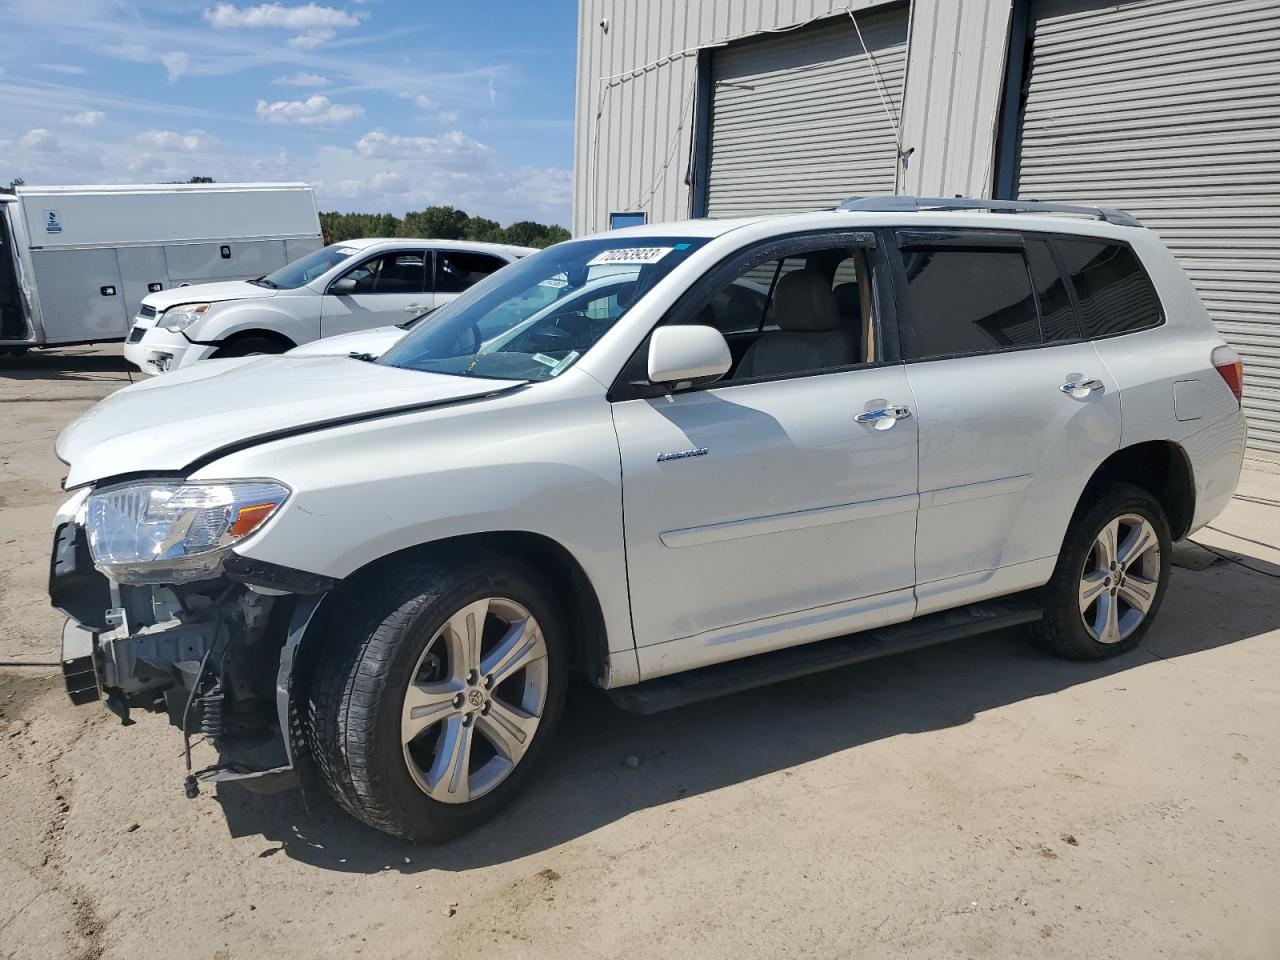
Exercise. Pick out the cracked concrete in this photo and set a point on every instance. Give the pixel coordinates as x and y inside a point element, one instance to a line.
<point>976,800</point>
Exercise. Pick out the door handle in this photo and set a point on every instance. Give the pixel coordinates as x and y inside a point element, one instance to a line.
<point>1080,387</point>
<point>415,308</point>
<point>884,417</point>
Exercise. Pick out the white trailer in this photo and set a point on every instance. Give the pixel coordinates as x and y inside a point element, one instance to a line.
<point>75,262</point>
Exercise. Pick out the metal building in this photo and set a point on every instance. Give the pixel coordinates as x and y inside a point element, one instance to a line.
<point>1167,108</point>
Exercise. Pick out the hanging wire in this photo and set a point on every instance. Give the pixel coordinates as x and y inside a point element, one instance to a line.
<point>606,83</point>
<point>880,89</point>
<point>673,145</point>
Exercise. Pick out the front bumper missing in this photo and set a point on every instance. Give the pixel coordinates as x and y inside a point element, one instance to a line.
<point>78,643</point>
<point>217,656</point>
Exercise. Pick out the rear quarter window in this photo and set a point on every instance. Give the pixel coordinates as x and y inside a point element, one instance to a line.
<point>1114,292</point>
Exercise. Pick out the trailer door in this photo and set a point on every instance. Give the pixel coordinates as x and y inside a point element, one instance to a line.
<point>81,299</point>
<point>13,321</point>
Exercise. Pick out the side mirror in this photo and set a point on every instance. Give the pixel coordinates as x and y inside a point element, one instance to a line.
<point>683,354</point>
<point>342,287</point>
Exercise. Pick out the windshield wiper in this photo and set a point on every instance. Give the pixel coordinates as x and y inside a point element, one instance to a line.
<point>363,357</point>
<point>264,282</point>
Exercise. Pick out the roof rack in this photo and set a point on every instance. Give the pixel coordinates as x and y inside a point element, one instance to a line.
<point>887,204</point>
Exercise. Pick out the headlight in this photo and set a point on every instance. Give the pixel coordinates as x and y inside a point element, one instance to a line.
<point>183,315</point>
<point>169,531</point>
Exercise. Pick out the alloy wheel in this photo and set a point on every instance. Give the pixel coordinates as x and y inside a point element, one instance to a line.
<point>1120,578</point>
<point>475,700</point>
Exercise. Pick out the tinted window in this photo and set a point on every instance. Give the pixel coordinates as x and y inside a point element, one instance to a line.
<point>399,272</point>
<point>1114,291</point>
<point>967,300</point>
<point>456,270</point>
<point>1057,316</point>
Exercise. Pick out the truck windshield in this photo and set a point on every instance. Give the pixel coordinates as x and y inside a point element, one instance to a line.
<point>305,269</point>
<point>534,319</point>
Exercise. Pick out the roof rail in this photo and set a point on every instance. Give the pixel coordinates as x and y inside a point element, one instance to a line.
<point>888,204</point>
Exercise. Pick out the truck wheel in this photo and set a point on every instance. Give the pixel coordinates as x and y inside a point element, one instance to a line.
<point>440,687</point>
<point>1110,578</point>
<point>250,347</point>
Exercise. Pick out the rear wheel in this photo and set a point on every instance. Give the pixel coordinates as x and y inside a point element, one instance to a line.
<point>1110,578</point>
<point>438,695</point>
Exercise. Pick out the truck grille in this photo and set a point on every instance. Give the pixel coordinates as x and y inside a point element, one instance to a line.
<point>146,312</point>
<point>136,334</point>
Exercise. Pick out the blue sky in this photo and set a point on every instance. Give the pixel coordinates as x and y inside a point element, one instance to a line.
<point>380,104</point>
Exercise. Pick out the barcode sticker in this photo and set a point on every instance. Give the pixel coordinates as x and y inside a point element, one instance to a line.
<point>640,255</point>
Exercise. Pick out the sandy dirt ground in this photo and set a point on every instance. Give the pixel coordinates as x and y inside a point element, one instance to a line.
<point>975,800</point>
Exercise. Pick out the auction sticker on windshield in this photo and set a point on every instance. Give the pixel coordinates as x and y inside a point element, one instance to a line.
<point>629,255</point>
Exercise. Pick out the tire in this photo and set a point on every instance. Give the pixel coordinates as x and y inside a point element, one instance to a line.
<point>1092,609</point>
<point>404,623</point>
<point>250,347</point>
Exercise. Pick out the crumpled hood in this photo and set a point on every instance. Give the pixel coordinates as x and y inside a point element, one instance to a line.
<point>207,293</point>
<point>169,422</point>
<point>374,342</point>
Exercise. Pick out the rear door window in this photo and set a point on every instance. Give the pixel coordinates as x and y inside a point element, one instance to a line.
<point>456,270</point>
<point>1113,290</point>
<point>963,299</point>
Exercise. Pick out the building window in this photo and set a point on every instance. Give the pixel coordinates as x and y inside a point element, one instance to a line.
<point>619,220</point>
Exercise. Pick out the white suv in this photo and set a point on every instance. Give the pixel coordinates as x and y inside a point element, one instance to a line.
<point>743,451</point>
<point>345,287</point>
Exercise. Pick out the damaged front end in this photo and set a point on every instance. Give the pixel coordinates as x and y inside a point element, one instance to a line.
<point>213,648</point>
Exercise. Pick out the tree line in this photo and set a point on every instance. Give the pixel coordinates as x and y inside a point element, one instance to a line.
<point>438,223</point>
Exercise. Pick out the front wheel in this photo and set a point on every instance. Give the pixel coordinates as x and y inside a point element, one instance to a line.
<point>250,347</point>
<point>1110,578</point>
<point>437,695</point>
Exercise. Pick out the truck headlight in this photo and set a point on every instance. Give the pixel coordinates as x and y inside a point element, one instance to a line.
<point>182,316</point>
<point>171,531</point>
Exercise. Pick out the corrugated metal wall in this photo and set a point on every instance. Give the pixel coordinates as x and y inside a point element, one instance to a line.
<point>1171,109</point>
<point>952,103</point>
<point>801,120</point>
<point>636,91</point>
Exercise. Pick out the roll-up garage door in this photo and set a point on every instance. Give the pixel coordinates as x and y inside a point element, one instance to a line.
<point>797,120</point>
<point>1171,109</point>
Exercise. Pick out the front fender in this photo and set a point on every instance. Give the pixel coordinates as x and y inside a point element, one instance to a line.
<point>296,318</point>
<point>541,460</point>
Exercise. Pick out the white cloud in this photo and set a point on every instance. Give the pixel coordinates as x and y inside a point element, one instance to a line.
<point>388,171</point>
<point>39,140</point>
<point>67,69</point>
<point>175,64</point>
<point>189,142</point>
<point>87,118</point>
<point>389,182</point>
<point>425,103</point>
<point>453,145</point>
<point>313,110</point>
<point>305,17</point>
<point>302,80</point>
<point>314,24</point>
<point>312,38</point>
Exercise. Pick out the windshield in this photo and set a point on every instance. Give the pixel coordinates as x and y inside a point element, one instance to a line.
<point>304,270</point>
<point>534,319</point>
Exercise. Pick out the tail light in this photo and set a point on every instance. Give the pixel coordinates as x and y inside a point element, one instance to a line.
<point>1227,362</point>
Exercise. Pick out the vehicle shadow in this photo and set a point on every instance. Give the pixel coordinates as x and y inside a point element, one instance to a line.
<point>77,363</point>
<point>707,746</point>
